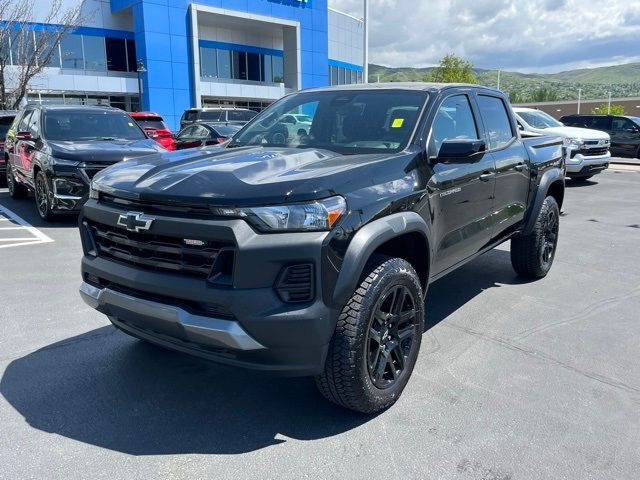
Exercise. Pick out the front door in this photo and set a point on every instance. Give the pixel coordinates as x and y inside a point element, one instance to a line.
<point>625,137</point>
<point>461,194</point>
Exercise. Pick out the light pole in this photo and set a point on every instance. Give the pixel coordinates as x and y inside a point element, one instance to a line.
<point>579,99</point>
<point>499,79</point>
<point>609,105</point>
<point>140,69</point>
<point>366,41</point>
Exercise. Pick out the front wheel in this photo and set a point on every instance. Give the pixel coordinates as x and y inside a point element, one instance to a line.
<point>532,255</point>
<point>377,338</point>
<point>43,197</point>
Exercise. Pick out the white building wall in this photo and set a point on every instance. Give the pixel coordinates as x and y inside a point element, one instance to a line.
<point>271,40</point>
<point>346,38</point>
<point>95,13</point>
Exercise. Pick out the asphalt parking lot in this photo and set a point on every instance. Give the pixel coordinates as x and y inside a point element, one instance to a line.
<point>515,380</point>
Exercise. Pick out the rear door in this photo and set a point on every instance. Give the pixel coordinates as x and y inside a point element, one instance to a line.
<point>511,161</point>
<point>461,194</point>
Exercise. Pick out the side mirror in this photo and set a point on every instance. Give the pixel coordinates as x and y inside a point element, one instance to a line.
<point>24,136</point>
<point>520,127</point>
<point>460,151</point>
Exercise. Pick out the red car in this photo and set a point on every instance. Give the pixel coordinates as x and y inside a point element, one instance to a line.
<point>155,128</point>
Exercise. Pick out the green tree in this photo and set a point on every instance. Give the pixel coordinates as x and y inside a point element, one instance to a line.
<point>452,69</point>
<point>544,94</point>
<point>604,110</point>
<point>516,97</point>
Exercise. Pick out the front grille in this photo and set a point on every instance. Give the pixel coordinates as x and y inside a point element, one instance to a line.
<point>155,252</point>
<point>151,207</point>
<point>296,283</point>
<point>591,152</point>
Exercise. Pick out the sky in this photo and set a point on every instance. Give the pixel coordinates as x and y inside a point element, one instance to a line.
<point>542,36</point>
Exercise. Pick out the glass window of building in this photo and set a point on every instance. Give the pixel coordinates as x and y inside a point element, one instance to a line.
<point>359,77</point>
<point>49,50</point>
<point>224,64</point>
<point>341,76</point>
<point>354,76</point>
<point>208,62</point>
<point>278,69</point>
<point>71,52</point>
<point>116,54</point>
<point>22,47</point>
<point>239,65</point>
<point>334,75</point>
<point>266,72</point>
<point>253,67</point>
<point>94,53</point>
<point>132,61</point>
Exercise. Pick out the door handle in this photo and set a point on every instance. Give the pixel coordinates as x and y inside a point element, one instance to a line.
<point>519,167</point>
<point>485,177</point>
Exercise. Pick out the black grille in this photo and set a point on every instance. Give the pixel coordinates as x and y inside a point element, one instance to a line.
<point>155,252</point>
<point>591,152</point>
<point>296,283</point>
<point>150,207</point>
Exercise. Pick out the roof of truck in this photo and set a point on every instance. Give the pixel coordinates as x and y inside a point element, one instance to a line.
<point>425,86</point>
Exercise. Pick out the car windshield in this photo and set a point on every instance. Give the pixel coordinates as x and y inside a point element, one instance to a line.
<point>539,119</point>
<point>226,130</point>
<point>635,120</point>
<point>344,121</point>
<point>72,125</point>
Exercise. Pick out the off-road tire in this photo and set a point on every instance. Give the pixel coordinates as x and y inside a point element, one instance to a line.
<point>527,255</point>
<point>347,380</point>
<point>17,191</point>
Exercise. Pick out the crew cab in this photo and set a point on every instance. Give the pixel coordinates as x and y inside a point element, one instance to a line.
<point>587,151</point>
<point>312,256</point>
<point>55,150</point>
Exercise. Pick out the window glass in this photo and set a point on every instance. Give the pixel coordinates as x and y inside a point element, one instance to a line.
<point>239,60</point>
<point>186,132</point>
<point>266,73</point>
<point>225,130</point>
<point>354,76</point>
<point>94,53</point>
<point>5,123</point>
<point>278,69</point>
<point>70,125</point>
<point>253,67</point>
<point>200,132</point>
<point>48,50</point>
<point>496,119</point>
<point>454,120</point>
<point>71,50</point>
<point>23,126</point>
<point>132,60</point>
<point>334,75</point>
<point>619,124</point>
<point>22,47</point>
<point>116,54</point>
<point>213,116</point>
<point>341,76</point>
<point>152,123</point>
<point>346,122</point>
<point>359,77</point>
<point>240,115</point>
<point>539,119</point>
<point>190,115</point>
<point>208,62</point>
<point>33,126</point>
<point>224,64</point>
<point>600,123</point>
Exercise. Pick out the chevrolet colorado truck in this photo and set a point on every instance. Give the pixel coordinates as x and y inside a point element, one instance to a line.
<point>311,254</point>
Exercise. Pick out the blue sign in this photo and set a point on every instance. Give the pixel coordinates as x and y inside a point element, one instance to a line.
<point>293,3</point>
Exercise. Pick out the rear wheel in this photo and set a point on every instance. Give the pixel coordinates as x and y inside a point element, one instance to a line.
<point>376,342</point>
<point>43,197</point>
<point>16,190</point>
<point>532,255</point>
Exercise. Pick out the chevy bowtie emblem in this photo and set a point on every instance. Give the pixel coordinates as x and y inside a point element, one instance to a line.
<point>135,221</point>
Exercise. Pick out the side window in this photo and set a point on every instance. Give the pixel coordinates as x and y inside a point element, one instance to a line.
<point>454,120</point>
<point>496,119</point>
<point>34,124</point>
<point>599,123</point>
<point>23,126</point>
<point>200,132</point>
<point>186,133</point>
<point>620,124</point>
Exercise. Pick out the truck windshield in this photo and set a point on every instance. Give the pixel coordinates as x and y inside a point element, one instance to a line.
<point>344,121</point>
<point>74,125</point>
<point>539,119</point>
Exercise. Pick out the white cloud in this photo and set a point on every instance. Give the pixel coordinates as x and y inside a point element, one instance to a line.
<point>533,35</point>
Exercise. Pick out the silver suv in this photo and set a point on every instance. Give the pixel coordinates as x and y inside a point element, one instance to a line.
<point>238,116</point>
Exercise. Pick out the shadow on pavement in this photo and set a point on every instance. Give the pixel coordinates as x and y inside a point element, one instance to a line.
<point>26,209</point>
<point>572,183</point>
<point>106,389</point>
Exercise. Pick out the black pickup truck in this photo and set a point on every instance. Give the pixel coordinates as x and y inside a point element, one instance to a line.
<point>311,253</point>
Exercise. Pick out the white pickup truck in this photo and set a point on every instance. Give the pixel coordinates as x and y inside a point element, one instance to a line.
<point>587,151</point>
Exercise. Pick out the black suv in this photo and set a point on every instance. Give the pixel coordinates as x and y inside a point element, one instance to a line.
<point>310,252</point>
<point>623,130</point>
<point>56,150</point>
<point>6,119</point>
<point>238,116</point>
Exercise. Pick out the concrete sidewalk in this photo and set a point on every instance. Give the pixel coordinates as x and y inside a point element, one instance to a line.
<point>626,161</point>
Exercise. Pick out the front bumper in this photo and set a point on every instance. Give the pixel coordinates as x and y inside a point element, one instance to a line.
<point>245,323</point>
<point>587,165</point>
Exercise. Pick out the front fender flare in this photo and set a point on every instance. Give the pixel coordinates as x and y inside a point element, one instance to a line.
<point>366,241</point>
<point>548,177</point>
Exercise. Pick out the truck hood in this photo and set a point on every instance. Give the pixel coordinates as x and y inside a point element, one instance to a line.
<point>242,176</point>
<point>574,132</point>
<point>104,151</point>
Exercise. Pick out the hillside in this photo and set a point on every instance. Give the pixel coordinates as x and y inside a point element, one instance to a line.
<point>621,80</point>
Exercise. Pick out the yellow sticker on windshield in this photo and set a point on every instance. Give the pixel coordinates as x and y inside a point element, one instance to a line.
<point>130,124</point>
<point>397,123</point>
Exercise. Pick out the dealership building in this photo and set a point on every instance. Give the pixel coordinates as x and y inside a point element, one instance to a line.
<point>199,53</point>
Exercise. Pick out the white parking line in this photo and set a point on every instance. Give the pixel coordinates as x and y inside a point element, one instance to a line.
<point>36,237</point>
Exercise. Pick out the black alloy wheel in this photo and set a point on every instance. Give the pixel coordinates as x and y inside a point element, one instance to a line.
<point>391,336</point>
<point>549,238</point>
<point>43,196</point>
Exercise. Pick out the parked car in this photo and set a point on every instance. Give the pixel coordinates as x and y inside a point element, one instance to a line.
<point>154,126</point>
<point>623,129</point>
<point>201,134</point>
<point>314,259</point>
<point>6,119</point>
<point>297,124</point>
<point>55,150</point>
<point>217,114</point>
<point>587,151</point>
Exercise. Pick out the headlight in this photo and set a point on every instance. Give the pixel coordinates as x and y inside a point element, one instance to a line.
<point>63,162</point>
<point>93,193</point>
<point>314,216</point>
<point>573,142</point>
